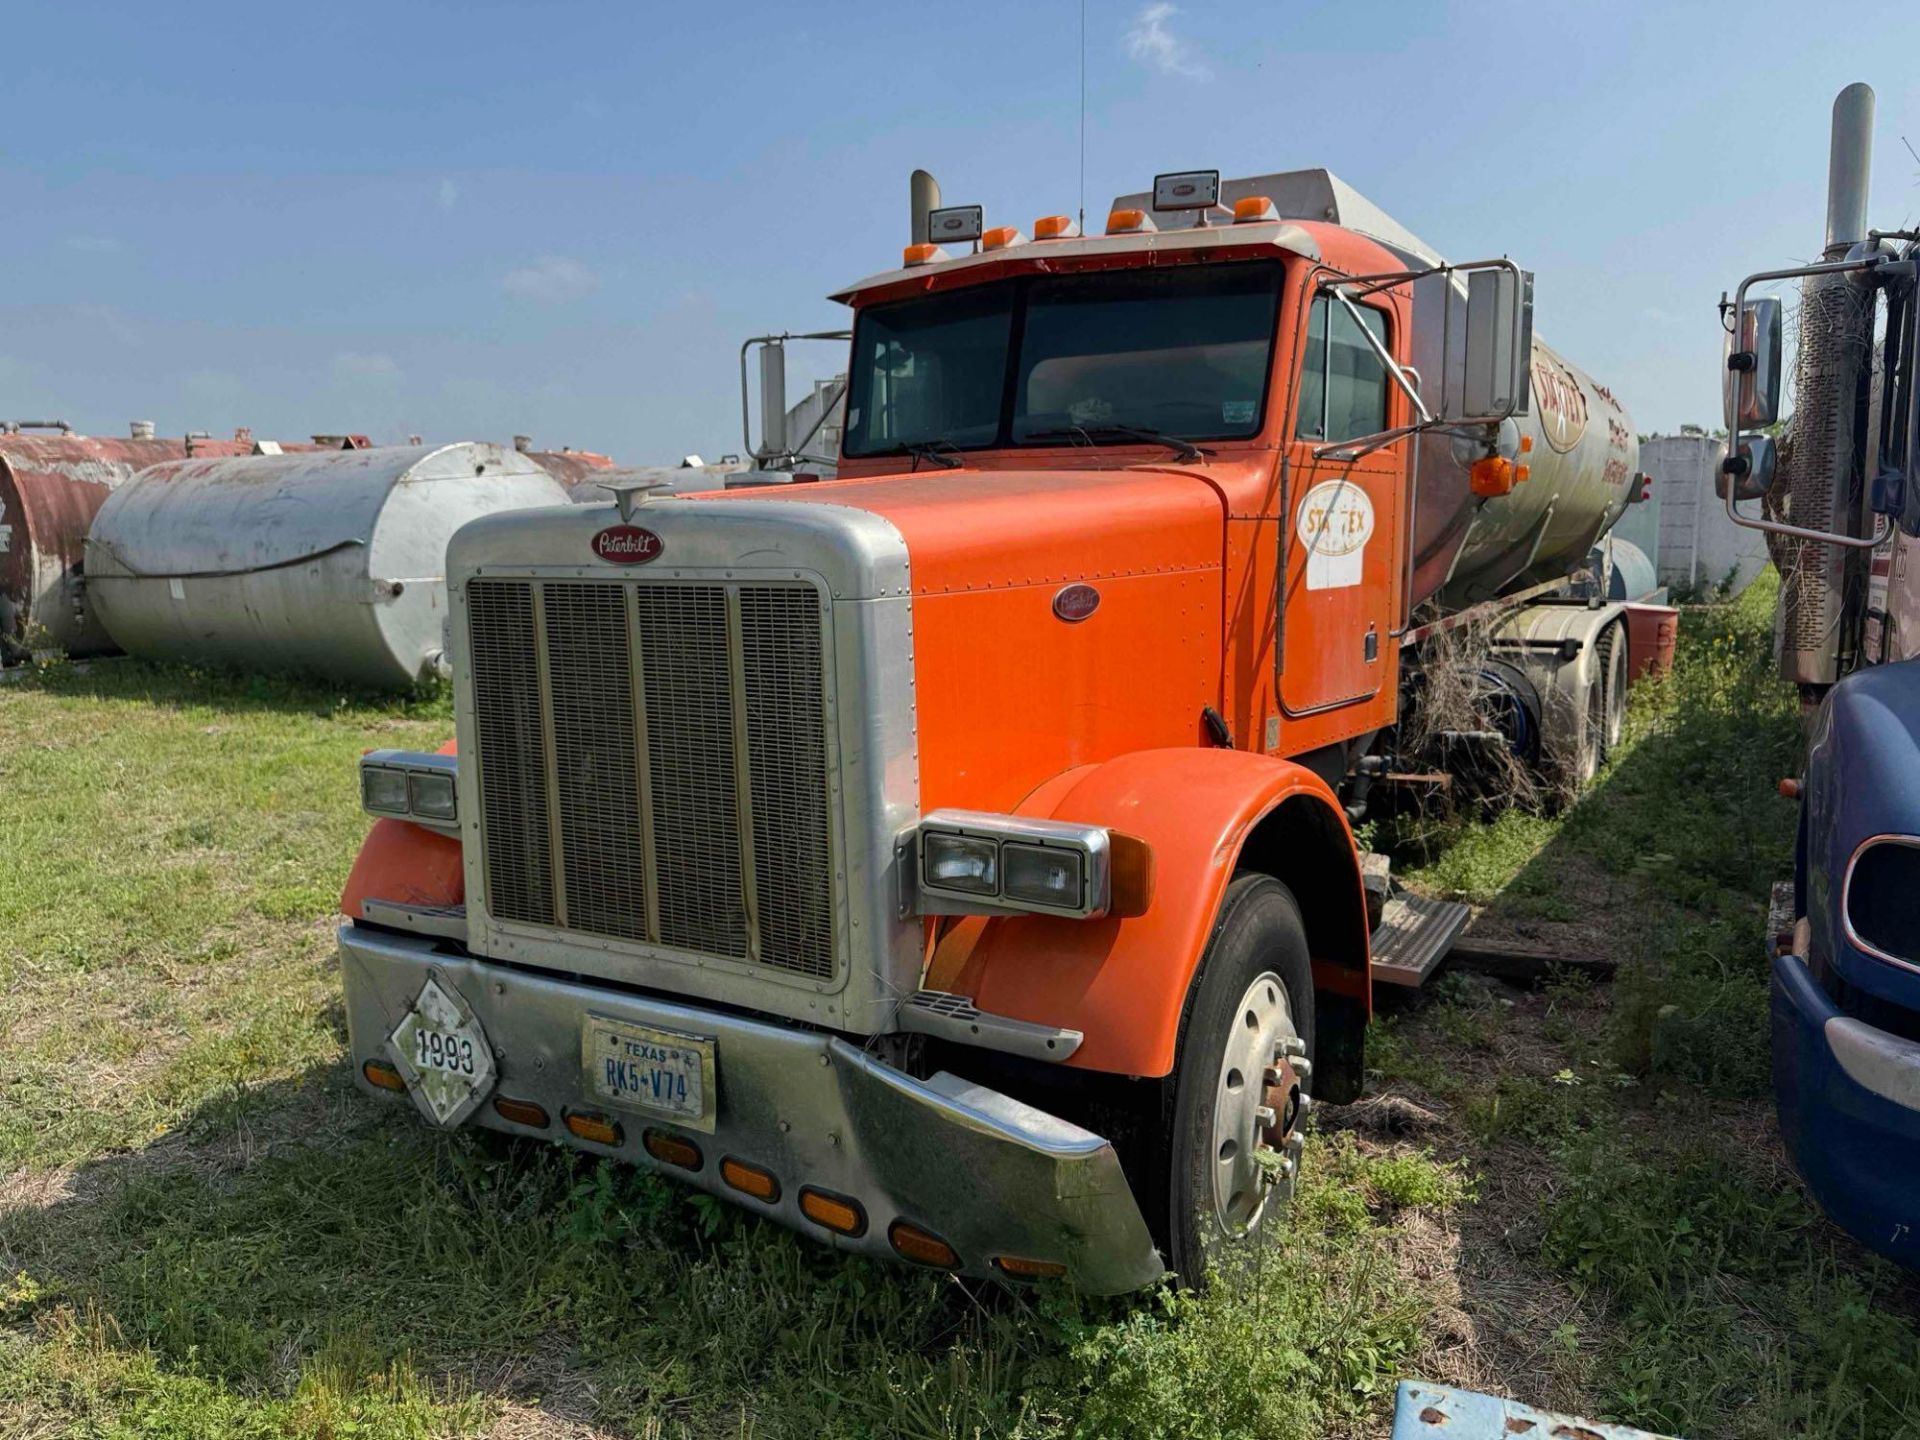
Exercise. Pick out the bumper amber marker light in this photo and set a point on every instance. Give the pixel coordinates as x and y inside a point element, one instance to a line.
<point>833,1212</point>
<point>750,1180</point>
<point>520,1112</point>
<point>378,1072</point>
<point>1028,1269</point>
<point>672,1150</point>
<point>910,1242</point>
<point>597,1128</point>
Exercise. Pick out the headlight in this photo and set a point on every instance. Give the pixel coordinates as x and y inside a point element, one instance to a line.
<point>406,785</point>
<point>383,790</point>
<point>961,862</point>
<point>1049,875</point>
<point>971,863</point>
<point>430,795</point>
<point>1880,899</point>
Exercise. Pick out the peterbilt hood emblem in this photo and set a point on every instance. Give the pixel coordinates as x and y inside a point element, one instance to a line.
<point>1075,603</point>
<point>627,545</point>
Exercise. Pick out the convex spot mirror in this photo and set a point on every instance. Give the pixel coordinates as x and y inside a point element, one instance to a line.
<point>1752,382</point>
<point>1749,470</point>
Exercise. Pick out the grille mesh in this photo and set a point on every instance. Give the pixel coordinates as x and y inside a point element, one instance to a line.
<point>603,859</point>
<point>696,820</point>
<point>705,694</point>
<point>780,645</point>
<point>513,765</point>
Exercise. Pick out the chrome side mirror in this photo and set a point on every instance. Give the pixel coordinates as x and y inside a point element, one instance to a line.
<point>1752,381</point>
<point>1749,471</point>
<point>1496,382</point>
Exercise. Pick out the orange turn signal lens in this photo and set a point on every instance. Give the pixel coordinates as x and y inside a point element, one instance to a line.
<point>1526,444</point>
<point>1055,227</point>
<point>379,1072</point>
<point>520,1112</point>
<point>750,1180</point>
<point>1001,237</point>
<point>919,254</point>
<point>1492,475</point>
<point>1122,222</point>
<point>1130,866</point>
<point>1789,788</point>
<point>834,1212</point>
<point>1028,1269</point>
<point>671,1149</point>
<point>1253,207</point>
<point>597,1128</point>
<point>1521,474</point>
<point>922,1247</point>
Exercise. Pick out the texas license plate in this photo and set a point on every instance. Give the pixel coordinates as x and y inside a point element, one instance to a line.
<point>443,1054</point>
<point>658,1072</point>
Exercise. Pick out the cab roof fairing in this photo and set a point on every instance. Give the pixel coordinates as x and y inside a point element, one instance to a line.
<point>1274,235</point>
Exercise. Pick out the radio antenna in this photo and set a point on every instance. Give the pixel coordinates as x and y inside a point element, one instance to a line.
<point>1083,117</point>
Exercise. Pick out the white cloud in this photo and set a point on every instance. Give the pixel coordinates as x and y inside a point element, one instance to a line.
<point>351,365</point>
<point>1152,42</point>
<point>446,195</point>
<point>551,280</point>
<point>95,244</point>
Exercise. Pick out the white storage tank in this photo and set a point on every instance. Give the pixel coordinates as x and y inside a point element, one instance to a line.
<point>332,564</point>
<point>1700,548</point>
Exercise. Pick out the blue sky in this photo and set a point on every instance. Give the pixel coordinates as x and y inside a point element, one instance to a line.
<point>474,219</point>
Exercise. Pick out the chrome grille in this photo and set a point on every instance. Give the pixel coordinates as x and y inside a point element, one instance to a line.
<point>653,764</point>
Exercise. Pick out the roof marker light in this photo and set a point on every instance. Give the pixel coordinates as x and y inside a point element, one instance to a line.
<point>1003,237</point>
<point>1055,227</point>
<point>922,255</point>
<point>1130,222</point>
<point>1253,208</point>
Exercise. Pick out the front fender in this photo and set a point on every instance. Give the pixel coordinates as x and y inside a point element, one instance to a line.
<point>1124,982</point>
<point>406,863</point>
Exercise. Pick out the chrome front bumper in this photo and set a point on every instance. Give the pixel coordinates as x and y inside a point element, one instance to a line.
<point>990,1175</point>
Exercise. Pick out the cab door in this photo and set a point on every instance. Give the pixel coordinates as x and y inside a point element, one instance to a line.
<point>1342,537</point>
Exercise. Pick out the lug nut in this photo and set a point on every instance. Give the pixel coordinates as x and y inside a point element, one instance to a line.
<point>1265,1116</point>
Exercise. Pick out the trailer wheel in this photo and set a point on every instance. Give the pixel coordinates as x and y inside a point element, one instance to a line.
<point>1240,1083</point>
<point>1612,655</point>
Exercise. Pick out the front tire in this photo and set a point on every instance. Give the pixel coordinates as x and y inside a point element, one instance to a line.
<point>1240,1081</point>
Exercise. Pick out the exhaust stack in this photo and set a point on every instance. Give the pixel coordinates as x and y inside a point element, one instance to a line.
<point>924,191</point>
<point>1823,454</point>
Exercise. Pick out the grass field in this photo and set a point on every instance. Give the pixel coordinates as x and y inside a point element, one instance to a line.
<point>1573,1194</point>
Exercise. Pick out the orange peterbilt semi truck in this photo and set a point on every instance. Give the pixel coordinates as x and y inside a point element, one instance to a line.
<point>951,860</point>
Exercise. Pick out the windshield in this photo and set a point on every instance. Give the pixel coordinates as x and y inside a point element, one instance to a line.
<point>1182,351</point>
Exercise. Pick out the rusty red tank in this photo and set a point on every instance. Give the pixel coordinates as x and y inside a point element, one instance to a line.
<point>51,485</point>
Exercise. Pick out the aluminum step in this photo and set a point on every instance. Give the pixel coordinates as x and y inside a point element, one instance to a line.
<point>1413,937</point>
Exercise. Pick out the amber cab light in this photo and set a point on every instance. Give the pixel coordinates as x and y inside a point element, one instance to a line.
<point>750,1180</point>
<point>1001,238</point>
<point>1028,1269</point>
<point>1055,227</point>
<point>834,1212</point>
<point>1252,208</point>
<point>520,1112</point>
<point>1492,475</point>
<point>671,1149</point>
<point>922,1247</point>
<point>921,255</point>
<point>1129,222</point>
<point>597,1128</point>
<point>378,1072</point>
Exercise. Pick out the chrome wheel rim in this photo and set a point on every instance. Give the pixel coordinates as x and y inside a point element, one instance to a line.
<point>1260,1102</point>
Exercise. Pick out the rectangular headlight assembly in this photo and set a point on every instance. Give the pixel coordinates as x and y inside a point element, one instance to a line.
<point>411,785</point>
<point>968,862</point>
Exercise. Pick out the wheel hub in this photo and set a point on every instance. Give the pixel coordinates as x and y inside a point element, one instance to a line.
<point>1260,1102</point>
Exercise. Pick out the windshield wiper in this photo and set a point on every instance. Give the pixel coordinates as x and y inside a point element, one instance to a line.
<point>935,451</point>
<point>1094,434</point>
